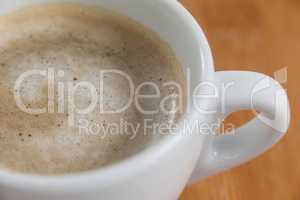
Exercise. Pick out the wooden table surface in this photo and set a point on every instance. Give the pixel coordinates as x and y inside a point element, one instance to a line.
<point>263,36</point>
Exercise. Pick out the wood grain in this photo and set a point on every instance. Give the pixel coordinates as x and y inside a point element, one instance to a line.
<point>263,36</point>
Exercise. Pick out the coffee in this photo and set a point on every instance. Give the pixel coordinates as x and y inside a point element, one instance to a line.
<point>55,56</point>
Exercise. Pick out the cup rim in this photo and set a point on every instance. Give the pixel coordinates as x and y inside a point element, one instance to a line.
<point>129,167</point>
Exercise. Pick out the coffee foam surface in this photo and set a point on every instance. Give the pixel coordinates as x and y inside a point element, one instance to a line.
<point>79,41</point>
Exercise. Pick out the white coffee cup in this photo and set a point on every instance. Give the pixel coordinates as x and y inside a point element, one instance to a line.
<point>164,169</point>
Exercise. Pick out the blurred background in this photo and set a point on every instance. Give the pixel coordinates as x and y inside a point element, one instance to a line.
<point>263,36</point>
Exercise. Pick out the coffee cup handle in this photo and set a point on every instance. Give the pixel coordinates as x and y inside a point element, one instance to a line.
<point>244,91</point>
